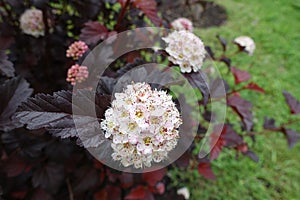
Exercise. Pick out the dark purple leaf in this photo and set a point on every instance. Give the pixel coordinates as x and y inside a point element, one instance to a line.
<point>13,93</point>
<point>106,85</point>
<point>139,193</point>
<point>217,144</point>
<point>217,87</point>
<point>46,111</point>
<point>123,2</point>
<point>209,51</point>
<point>19,194</point>
<point>54,112</point>
<point>231,137</point>
<point>292,102</point>
<point>41,194</point>
<point>204,168</point>
<point>136,193</point>
<point>227,61</point>
<point>111,1</point>
<point>291,136</point>
<point>209,116</point>
<point>269,123</point>
<point>172,194</point>
<point>154,77</point>
<point>49,176</point>
<point>86,179</point>
<point>14,166</point>
<point>59,150</point>
<point>93,32</point>
<point>88,8</point>
<point>240,75</point>
<point>129,66</point>
<point>5,42</point>
<point>243,108</point>
<point>228,137</point>
<point>184,160</point>
<point>126,180</point>
<point>41,4</point>
<point>151,178</point>
<point>149,8</point>
<point>251,155</point>
<point>198,80</point>
<point>108,193</point>
<point>27,144</point>
<point>223,42</point>
<point>6,67</point>
<point>15,3</point>
<point>255,87</point>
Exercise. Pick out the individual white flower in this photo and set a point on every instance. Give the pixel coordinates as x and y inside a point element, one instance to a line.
<point>31,22</point>
<point>182,24</point>
<point>184,192</point>
<point>245,43</point>
<point>142,124</point>
<point>186,50</point>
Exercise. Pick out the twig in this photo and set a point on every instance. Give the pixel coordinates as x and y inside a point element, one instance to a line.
<point>263,131</point>
<point>290,122</point>
<point>278,129</point>
<point>46,21</point>
<point>121,16</point>
<point>71,195</point>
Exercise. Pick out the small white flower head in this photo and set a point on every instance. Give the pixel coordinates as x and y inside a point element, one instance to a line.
<point>142,124</point>
<point>76,50</point>
<point>31,22</point>
<point>186,50</point>
<point>184,192</point>
<point>245,43</point>
<point>182,24</point>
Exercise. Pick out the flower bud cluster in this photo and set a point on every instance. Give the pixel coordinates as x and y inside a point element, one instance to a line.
<point>77,74</point>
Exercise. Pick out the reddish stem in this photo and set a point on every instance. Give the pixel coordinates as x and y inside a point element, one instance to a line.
<point>237,90</point>
<point>121,16</point>
<point>278,129</point>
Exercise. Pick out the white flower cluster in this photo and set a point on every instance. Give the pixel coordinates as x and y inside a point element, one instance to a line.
<point>182,24</point>
<point>143,125</point>
<point>31,22</point>
<point>246,43</point>
<point>185,49</point>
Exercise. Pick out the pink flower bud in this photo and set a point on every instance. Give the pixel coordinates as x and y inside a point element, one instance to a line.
<point>77,74</point>
<point>76,50</point>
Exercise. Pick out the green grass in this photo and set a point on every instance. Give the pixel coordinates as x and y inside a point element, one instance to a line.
<point>275,27</point>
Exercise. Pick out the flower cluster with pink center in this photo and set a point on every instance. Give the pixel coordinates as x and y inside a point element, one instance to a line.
<point>76,50</point>
<point>182,24</point>
<point>186,50</point>
<point>31,22</point>
<point>246,43</point>
<point>77,74</point>
<point>143,125</point>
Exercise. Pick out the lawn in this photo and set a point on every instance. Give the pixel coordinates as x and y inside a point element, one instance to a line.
<point>275,27</point>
